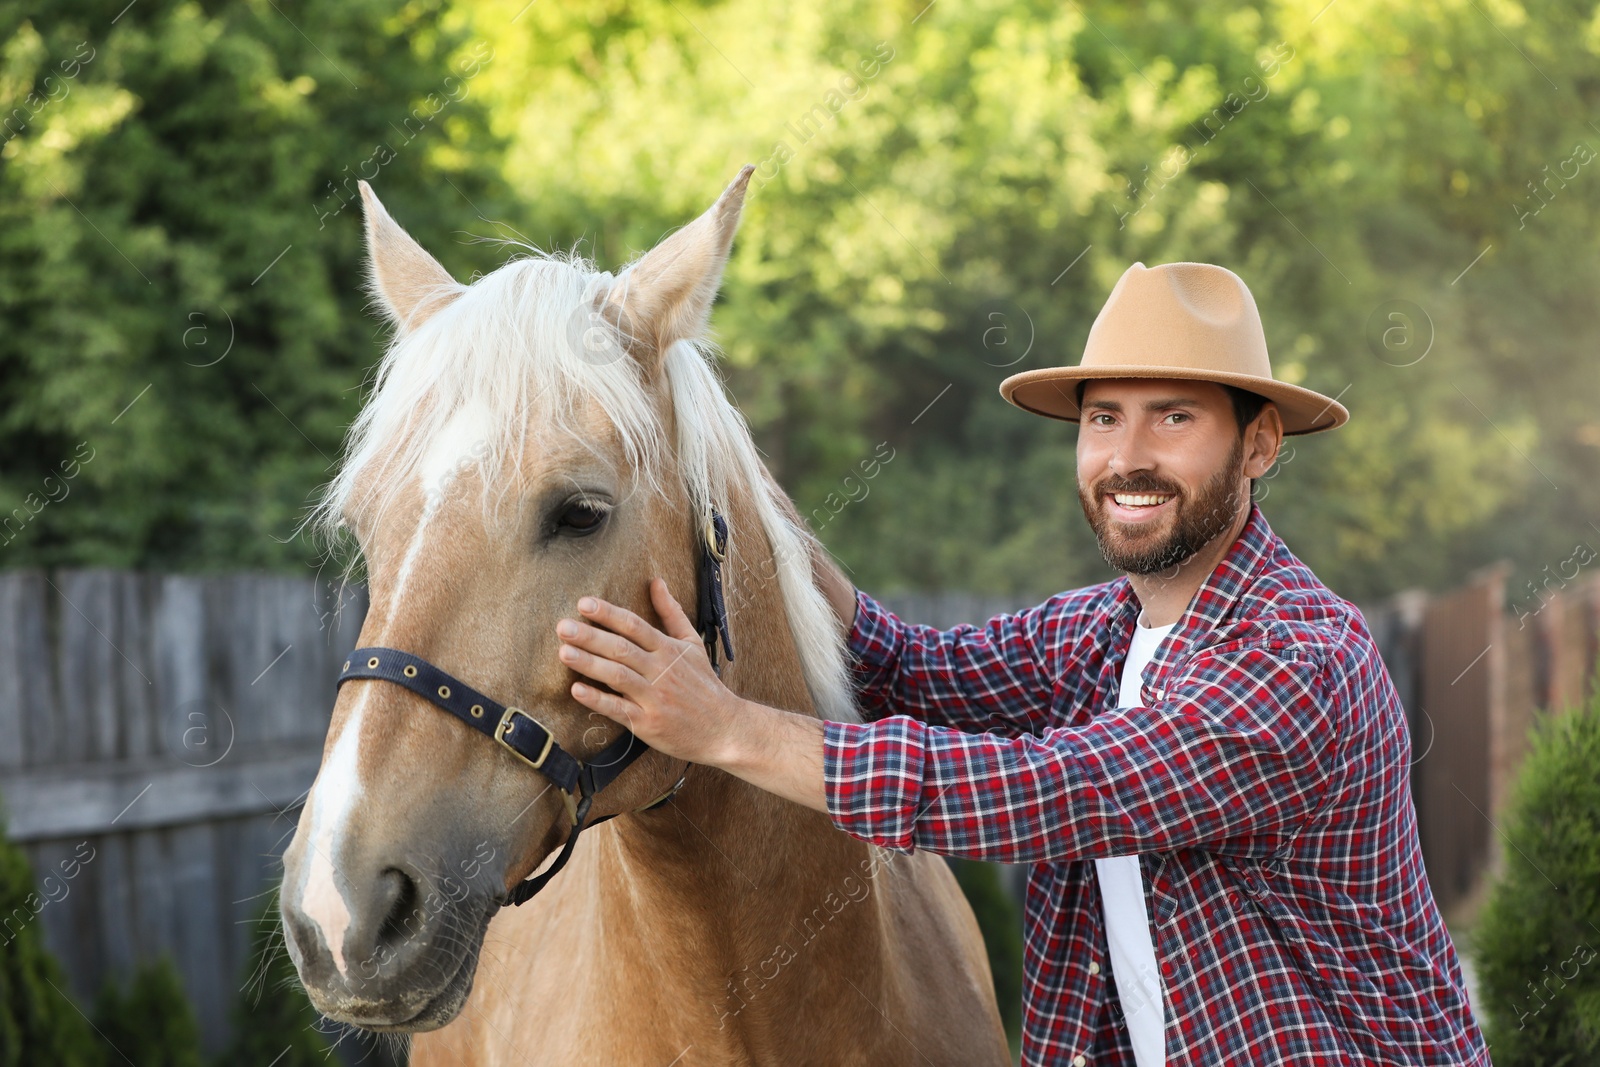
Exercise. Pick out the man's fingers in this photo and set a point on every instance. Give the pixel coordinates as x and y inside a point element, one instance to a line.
<point>613,674</point>
<point>622,621</point>
<point>677,623</point>
<point>618,709</point>
<point>602,643</point>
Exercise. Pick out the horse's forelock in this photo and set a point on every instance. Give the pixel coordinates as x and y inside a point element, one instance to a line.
<point>504,358</point>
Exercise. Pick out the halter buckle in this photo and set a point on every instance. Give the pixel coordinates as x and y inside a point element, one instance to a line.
<point>507,725</point>
<point>710,533</point>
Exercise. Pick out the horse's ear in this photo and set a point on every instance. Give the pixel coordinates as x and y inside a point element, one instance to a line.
<point>409,283</point>
<point>666,296</point>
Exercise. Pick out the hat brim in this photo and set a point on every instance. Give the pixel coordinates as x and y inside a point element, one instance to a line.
<point>1052,392</point>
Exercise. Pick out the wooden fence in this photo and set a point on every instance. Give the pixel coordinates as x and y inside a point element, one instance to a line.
<point>172,724</point>
<point>167,726</point>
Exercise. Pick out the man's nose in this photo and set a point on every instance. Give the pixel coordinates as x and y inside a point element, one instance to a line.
<point>1131,453</point>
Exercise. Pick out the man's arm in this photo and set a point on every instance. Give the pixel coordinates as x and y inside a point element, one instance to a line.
<point>1236,757</point>
<point>991,677</point>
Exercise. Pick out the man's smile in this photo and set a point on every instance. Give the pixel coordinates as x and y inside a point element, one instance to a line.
<point>1137,507</point>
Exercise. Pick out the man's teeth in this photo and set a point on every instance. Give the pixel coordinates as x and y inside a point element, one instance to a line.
<point>1139,500</point>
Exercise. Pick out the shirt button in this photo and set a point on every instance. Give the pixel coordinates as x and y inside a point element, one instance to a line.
<point>1078,1061</point>
<point>1166,968</point>
<point>1094,968</point>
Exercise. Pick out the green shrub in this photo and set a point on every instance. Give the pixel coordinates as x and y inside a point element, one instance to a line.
<point>151,1024</point>
<point>38,1024</point>
<point>1538,941</point>
<point>273,1021</point>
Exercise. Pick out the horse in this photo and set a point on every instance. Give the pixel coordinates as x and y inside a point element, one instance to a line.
<point>548,431</point>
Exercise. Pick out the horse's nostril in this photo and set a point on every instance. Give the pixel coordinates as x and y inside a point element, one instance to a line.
<point>399,903</point>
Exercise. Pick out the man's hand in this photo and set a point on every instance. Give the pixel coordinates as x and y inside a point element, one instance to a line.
<point>669,696</point>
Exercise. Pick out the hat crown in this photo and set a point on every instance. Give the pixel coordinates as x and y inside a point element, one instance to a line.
<point>1189,321</point>
<point>1193,315</point>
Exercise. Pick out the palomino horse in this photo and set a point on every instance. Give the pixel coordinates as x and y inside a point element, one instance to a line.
<point>547,432</point>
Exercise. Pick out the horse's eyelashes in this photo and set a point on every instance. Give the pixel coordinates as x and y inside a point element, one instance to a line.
<point>577,518</point>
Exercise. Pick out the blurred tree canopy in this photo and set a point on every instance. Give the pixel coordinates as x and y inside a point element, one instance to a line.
<point>945,194</point>
<point>184,328</point>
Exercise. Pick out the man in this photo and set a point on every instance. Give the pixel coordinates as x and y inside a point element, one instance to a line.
<point>1205,760</point>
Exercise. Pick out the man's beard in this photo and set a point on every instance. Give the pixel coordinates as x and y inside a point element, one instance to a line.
<point>1199,521</point>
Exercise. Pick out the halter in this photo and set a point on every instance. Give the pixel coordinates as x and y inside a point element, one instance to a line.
<point>529,739</point>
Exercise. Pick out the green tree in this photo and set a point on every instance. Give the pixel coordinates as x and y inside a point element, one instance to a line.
<point>913,233</point>
<point>1538,940</point>
<point>150,1023</point>
<point>38,1024</point>
<point>944,196</point>
<point>180,258</point>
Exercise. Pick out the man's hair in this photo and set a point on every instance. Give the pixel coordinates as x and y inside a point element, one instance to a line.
<point>1246,405</point>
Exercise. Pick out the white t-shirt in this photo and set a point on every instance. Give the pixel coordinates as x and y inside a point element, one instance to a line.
<point>1133,952</point>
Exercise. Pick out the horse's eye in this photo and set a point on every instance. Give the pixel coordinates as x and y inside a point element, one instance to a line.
<point>580,517</point>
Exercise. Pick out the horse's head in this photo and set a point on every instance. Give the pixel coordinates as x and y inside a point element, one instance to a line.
<point>523,447</point>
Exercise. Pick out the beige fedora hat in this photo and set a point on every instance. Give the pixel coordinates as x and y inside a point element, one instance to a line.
<point>1178,320</point>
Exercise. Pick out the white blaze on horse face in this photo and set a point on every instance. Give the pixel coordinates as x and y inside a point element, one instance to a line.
<point>338,786</point>
<point>456,446</point>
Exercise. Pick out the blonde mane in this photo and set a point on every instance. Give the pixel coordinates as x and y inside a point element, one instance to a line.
<point>469,382</point>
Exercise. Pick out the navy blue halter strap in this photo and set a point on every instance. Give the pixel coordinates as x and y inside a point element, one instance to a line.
<point>529,739</point>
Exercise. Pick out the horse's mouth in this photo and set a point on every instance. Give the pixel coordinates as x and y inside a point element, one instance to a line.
<point>439,1010</point>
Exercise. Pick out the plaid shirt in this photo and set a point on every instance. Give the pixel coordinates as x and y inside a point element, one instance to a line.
<point>1264,786</point>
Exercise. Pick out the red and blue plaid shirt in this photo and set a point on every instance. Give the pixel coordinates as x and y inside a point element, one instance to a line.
<point>1264,786</point>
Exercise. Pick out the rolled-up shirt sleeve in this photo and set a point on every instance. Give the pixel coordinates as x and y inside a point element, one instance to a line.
<point>1236,756</point>
<point>997,676</point>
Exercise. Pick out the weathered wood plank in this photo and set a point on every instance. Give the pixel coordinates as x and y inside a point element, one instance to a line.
<point>64,801</point>
<point>93,655</point>
<point>155,901</point>
<point>199,927</point>
<point>27,685</point>
<point>181,634</point>
<point>62,881</point>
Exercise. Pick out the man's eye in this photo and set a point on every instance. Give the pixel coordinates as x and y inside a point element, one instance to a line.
<point>580,517</point>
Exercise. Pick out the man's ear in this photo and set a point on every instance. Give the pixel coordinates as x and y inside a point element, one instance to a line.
<point>1263,441</point>
<point>666,296</point>
<point>409,284</point>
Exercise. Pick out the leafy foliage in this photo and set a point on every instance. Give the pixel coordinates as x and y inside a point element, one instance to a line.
<point>944,196</point>
<point>184,329</point>
<point>38,1024</point>
<point>916,235</point>
<point>150,1023</point>
<point>1538,940</point>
